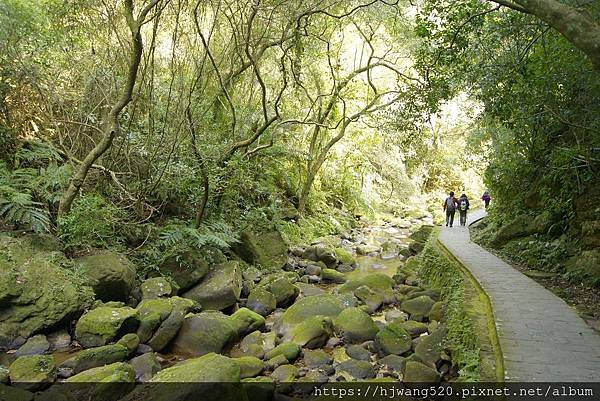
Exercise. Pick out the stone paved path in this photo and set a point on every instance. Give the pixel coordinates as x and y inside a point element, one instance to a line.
<point>541,337</point>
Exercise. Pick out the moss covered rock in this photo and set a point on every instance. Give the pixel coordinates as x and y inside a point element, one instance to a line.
<point>104,383</point>
<point>186,270</point>
<point>9,393</point>
<point>95,357</point>
<point>203,378</point>
<point>345,257</point>
<point>156,287</point>
<point>208,368</point>
<point>357,369</point>
<point>246,321</point>
<point>416,372</point>
<point>326,305</point>
<point>145,367</point>
<point>393,339</point>
<point>373,300</point>
<point>249,366</point>
<point>418,307</point>
<point>33,372</point>
<point>266,249</point>
<point>38,290</point>
<point>104,324</point>
<point>204,333</point>
<point>36,345</point>
<point>438,310</point>
<point>282,289</point>
<point>220,288</point>
<point>422,234</point>
<point>285,375</point>
<point>430,348</point>
<point>4,374</point>
<point>520,226</point>
<point>586,264</point>
<point>261,301</point>
<point>355,326</point>
<point>290,351</point>
<point>317,358</point>
<point>332,276</point>
<point>110,274</point>
<point>376,282</point>
<point>259,388</point>
<point>311,333</point>
<point>321,253</point>
<point>414,328</point>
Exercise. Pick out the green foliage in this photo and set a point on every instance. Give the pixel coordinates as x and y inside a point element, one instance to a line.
<point>309,228</point>
<point>18,204</point>
<point>93,223</point>
<point>444,275</point>
<point>540,253</point>
<point>180,235</point>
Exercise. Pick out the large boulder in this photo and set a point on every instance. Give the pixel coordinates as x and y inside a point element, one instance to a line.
<point>422,234</point>
<point>355,326</point>
<point>36,345</point>
<point>250,366</point>
<point>204,333</point>
<point>267,249</point>
<point>345,257</point>
<point>321,253</point>
<point>160,319</point>
<point>37,289</point>
<point>261,301</point>
<point>220,288</point>
<point>393,339</point>
<point>104,383</point>
<point>416,372</point>
<point>145,366</point>
<point>376,282</point>
<point>521,226</point>
<point>312,333</point>
<point>281,287</point>
<point>115,372</point>
<point>201,378</point>
<point>156,287</point>
<point>332,276</point>
<point>151,313</point>
<point>358,370</point>
<point>430,348</point>
<point>246,321</point>
<point>418,307</point>
<point>95,357</point>
<point>186,270</point>
<point>33,372</point>
<point>586,264</point>
<point>110,274</point>
<point>104,324</point>
<point>326,305</point>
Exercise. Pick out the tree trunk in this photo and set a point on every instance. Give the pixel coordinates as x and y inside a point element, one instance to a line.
<point>576,26</point>
<point>112,127</point>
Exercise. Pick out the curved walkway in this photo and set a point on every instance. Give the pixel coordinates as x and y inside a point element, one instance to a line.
<point>541,337</point>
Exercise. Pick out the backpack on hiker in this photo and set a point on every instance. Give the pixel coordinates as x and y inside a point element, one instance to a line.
<point>450,205</point>
<point>463,204</point>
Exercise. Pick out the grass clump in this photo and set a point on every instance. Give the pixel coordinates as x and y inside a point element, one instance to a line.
<point>463,332</point>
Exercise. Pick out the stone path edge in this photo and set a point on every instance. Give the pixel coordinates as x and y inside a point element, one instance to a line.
<point>491,321</point>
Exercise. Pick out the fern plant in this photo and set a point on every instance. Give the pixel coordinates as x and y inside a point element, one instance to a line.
<point>18,208</point>
<point>178,234</point>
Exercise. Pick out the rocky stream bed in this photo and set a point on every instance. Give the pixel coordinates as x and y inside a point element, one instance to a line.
<point>347,308</point>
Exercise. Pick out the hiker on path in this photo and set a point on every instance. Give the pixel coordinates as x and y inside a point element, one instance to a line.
<point>463,206</point>
<point>450,206</point>
<point>486,198</point>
